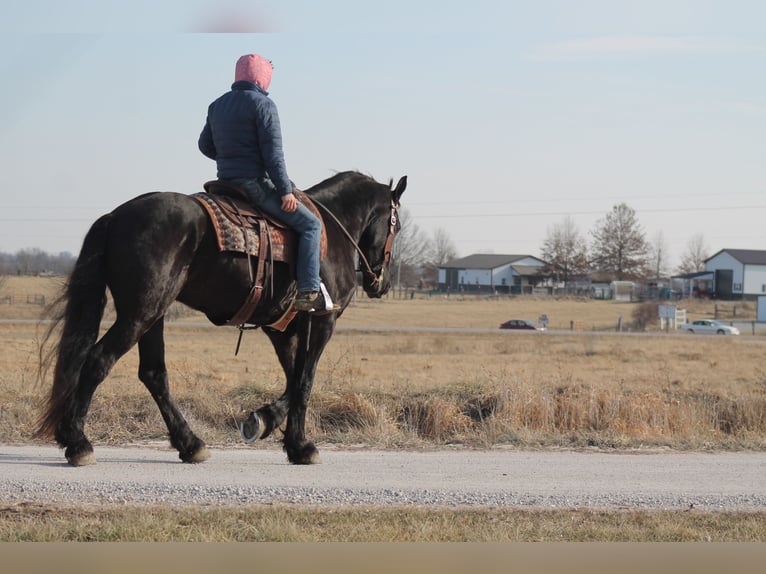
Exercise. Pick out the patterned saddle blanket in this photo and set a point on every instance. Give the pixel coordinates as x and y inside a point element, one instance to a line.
<point>237,223</point>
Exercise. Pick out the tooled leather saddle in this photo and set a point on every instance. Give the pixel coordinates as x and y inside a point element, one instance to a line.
<point>242,228</point>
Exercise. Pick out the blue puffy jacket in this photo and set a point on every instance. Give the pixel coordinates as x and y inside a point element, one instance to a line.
<point>242,134</point>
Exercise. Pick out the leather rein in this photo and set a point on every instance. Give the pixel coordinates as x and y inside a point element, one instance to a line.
<point>388,250</point>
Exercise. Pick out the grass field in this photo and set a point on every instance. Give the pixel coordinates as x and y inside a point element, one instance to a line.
<point>412,389</point>
<point>404,389</point>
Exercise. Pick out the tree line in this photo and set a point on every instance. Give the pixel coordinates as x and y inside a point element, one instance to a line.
<point>618,250</point>
<point>35,262</point>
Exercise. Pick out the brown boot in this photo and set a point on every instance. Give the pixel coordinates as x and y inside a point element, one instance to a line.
<point>309,301</point>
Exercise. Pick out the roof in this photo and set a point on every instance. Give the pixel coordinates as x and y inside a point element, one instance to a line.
<point>526,269</point>
<point>695,275</point>
<point>484,261</point>
<point>744,256</point>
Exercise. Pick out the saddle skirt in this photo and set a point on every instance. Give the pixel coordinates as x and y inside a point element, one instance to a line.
<point>237,224</point>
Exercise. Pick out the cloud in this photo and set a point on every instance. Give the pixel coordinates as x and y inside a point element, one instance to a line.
<point>750,109</point>
<point>617,46</point>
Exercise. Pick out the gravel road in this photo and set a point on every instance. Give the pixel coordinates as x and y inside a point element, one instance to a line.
<point>447,478</point>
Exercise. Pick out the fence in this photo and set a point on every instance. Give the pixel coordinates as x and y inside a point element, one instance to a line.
<point>23,299</point>
<point>722,312</point>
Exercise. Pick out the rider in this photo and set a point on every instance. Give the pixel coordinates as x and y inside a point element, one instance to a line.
<point>243,135</point>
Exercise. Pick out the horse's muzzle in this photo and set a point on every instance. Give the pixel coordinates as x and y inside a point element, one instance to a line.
<point>377,285</point>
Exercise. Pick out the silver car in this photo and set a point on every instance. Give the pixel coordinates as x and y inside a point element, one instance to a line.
<point>709,327</point>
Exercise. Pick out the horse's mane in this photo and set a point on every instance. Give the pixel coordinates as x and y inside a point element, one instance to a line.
<point>339,180</point>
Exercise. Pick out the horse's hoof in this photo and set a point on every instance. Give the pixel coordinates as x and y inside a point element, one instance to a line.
<point>83,459</point>
<point>80,454</point>
<point>251,429</point>
<point>308,454</point>
<point>313,458</point>
<point>200,455</point>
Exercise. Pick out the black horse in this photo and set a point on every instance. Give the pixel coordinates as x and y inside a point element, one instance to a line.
<point>160,247</point>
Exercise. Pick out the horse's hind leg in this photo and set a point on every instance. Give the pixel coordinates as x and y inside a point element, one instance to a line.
<point>154,374</point>
<point>70,434</point>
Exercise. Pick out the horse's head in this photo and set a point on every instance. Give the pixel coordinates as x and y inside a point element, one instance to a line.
<point>377,241</point>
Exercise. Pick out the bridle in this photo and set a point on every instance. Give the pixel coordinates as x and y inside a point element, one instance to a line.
<point>376,279</point>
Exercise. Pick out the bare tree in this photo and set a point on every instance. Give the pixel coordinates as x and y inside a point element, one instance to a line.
<point>7,264</point>
<point>32,261</point>
<point>412,250</point>
<point>619,245</point>
<point>693,259</point>
<point>565,251</point>
<point>442,250</point>
<point>658,251</point>
<point>443,247</point>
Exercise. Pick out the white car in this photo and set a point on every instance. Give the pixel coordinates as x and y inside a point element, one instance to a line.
<point>710,327</point>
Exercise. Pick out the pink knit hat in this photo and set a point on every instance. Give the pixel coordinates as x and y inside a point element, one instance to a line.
<point>254,68</point>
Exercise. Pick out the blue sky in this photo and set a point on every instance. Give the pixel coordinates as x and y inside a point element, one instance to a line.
<point>506,116</point>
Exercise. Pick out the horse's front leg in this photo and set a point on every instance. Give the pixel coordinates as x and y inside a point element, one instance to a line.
<point>269,417</point>
<point>298,351</point>
<point>318,331</point>
<point>262,422</point>
<point>300,450</point>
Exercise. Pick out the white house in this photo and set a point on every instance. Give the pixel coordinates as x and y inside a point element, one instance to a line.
<point>737,273</point>
<point>491,273</point>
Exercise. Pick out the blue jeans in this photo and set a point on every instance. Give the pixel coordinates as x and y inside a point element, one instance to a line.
<point>264,196</point>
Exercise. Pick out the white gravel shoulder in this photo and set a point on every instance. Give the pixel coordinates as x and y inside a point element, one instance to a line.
<point>444,478</point>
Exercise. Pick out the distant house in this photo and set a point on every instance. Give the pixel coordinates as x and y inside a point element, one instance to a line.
<point>491,273</point>
<point>688,285</point>
<point>737,273</point>
<point>729,274</point>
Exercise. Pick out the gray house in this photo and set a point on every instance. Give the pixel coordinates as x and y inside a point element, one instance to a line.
<point>737,273</point>
<point>491,273</point>
<point>729,274</point>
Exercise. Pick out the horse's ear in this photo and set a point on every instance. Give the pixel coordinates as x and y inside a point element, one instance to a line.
<point>397,192</point>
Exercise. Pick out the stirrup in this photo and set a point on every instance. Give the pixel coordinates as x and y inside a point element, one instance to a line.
<point>322,304</point>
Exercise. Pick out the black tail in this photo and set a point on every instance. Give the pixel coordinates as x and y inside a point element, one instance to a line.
<point>83,305</point>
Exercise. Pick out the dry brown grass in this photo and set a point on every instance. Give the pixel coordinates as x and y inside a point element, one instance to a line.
<point>296,524</point>
<point>414,389</point>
